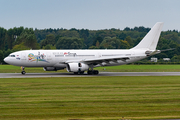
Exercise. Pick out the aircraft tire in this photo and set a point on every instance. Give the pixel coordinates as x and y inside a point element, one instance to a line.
<point>92,72</point>
<point>95,72</point>
<point>76,73</point>
<point>23,72</point>
<point>89,72</point>
<point>82,72</point>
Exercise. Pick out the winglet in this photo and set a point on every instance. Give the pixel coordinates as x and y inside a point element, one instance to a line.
<point>149,42</point>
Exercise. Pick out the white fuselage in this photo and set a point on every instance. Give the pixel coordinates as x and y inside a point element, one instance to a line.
<point>58,58</point>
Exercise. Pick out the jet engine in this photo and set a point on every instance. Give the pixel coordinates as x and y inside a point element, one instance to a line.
<point>77,67</point>
<point>52,68</point>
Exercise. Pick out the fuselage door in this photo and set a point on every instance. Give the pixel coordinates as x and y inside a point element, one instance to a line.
<point>23,56</point>
<point>49,57</point>
<point>98,55</point>
<point>132,53</point>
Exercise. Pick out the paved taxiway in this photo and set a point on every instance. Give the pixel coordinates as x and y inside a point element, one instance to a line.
<point>34,75</point>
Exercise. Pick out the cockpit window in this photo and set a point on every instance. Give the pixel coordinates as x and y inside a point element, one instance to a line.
<point>11,56</point>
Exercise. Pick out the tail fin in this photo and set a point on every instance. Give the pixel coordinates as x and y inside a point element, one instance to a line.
<point>151,39</point>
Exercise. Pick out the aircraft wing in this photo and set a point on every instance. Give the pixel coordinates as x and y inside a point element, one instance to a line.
<point>100,60</point>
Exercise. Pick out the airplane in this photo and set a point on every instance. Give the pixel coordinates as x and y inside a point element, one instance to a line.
<point>79,61</point>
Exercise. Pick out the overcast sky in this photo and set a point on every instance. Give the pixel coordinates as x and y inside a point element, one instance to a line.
<point>89,14</point>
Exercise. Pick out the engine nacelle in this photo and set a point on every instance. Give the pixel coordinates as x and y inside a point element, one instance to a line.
<point>77,67</point>
<point>52,68</point>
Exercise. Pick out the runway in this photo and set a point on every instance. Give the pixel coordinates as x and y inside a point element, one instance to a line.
<point>36,75</point>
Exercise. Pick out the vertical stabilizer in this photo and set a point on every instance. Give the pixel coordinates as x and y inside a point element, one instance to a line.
<point>151,39</point>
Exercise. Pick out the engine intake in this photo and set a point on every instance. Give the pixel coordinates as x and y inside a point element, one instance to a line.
<point>77,67</point>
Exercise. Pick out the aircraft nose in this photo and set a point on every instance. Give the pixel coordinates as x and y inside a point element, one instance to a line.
<point>6,60</point>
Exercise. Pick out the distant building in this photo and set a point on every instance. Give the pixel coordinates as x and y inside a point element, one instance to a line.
<point>166,59</point>
<point>154,59</point>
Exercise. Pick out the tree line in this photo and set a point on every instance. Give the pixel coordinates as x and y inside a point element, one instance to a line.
<point>21,38</point>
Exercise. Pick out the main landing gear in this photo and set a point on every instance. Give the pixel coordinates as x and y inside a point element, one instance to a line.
<point>89,72</point>
<point>92,72</point>
<point>23,72</point>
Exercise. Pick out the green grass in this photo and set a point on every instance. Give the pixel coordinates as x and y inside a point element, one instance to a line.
<point>90,98</point>
<point>121,68</point>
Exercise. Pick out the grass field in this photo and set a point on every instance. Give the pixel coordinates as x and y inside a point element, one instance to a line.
<point>90,98</point>
<point>121,68</point>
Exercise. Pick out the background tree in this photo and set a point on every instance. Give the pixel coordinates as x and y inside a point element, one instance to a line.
<point>110,43</point>
<point>84,33</point>
<point>2,38</point>
<point>27,39</point>
<point>69,43</point>
<point>122,36</point>
<point>99,39</point>
<point>130,42</point>
<point>50,40</point>
<point>124,44</point>
<point>49,46</point>
<point>1,56</point>
<point>7,52</point>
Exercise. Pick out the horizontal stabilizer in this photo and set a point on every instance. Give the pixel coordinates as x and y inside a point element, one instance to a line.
<point>167,49</point>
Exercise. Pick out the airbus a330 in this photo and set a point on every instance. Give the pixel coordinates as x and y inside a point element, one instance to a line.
<point>79,61</point>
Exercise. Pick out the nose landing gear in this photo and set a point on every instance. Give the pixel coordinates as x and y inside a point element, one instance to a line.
<point>23,72</point>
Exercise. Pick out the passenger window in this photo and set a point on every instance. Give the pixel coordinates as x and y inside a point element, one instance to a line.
<point>11,56</point>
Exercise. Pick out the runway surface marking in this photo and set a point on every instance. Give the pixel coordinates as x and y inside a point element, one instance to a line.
<point>35,75</point>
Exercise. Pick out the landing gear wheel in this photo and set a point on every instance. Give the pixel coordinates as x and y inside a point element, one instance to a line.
<point>23,72</point>
<point>92,72</point>
<point>81,73</point>
<point>89,72</point>
<point>76,73</point>
<point>95,72</point>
